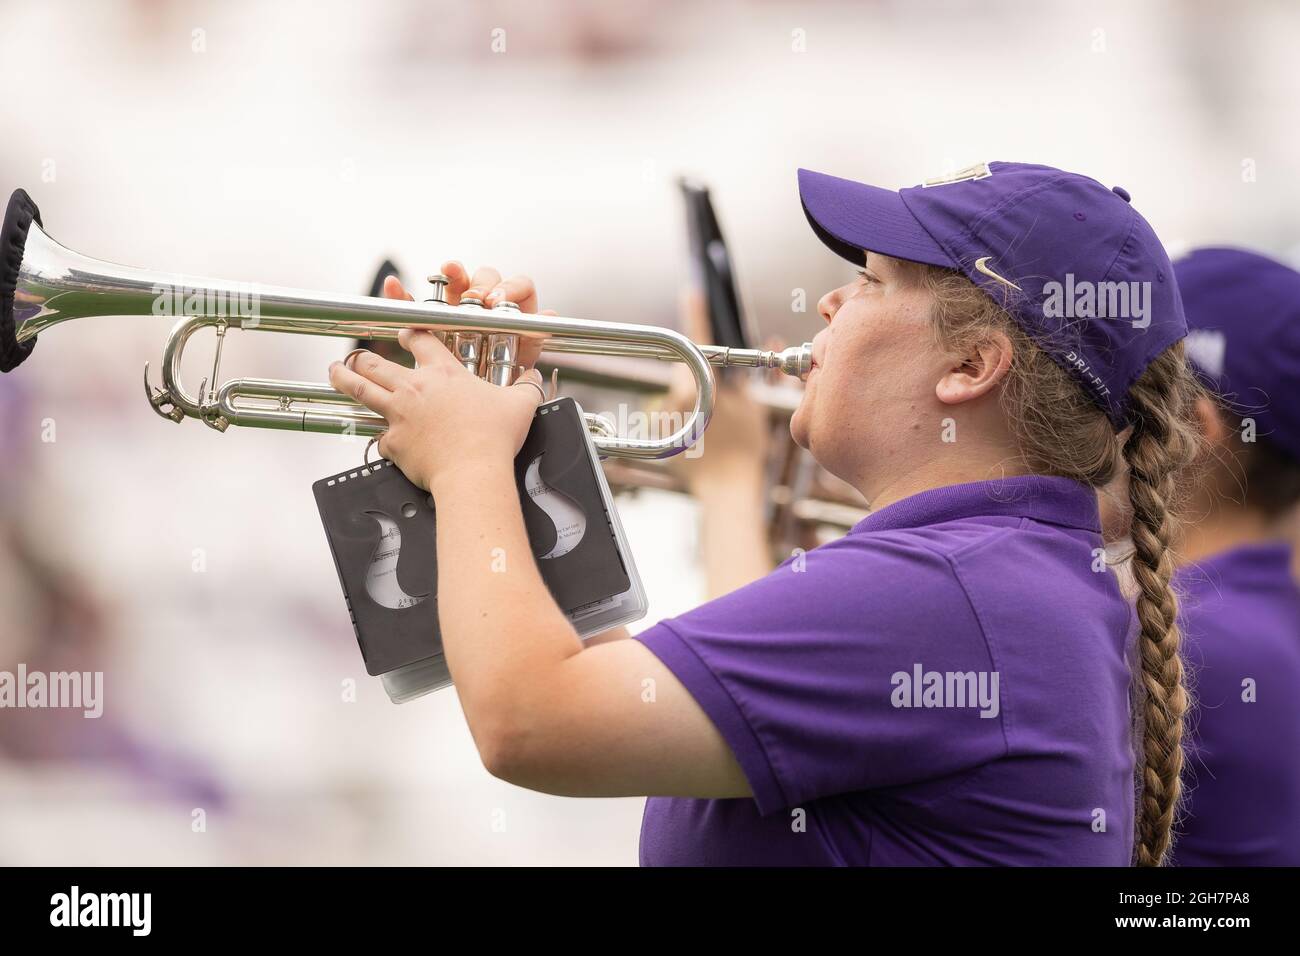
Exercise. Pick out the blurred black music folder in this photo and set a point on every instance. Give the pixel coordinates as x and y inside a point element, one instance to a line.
<point>382,529</point>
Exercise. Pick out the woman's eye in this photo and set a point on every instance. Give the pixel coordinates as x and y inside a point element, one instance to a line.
<point>866,276</point>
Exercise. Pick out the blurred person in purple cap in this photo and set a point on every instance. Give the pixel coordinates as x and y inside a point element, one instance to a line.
<point>949,683</point>
<point>1241,601</point>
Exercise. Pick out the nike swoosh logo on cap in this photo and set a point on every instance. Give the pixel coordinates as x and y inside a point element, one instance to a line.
<point>981,265</point>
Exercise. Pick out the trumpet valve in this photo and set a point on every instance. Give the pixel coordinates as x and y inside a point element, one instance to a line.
<point>439,297</point>
<point>467,348</point>
<point>439,283</point>
<point>502,352</point>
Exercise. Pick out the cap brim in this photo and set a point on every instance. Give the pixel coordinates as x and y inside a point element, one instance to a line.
<point>850,217</point>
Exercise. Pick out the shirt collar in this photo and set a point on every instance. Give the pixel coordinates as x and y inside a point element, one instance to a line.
<point>1263,561</point>
<point>1055,500</point>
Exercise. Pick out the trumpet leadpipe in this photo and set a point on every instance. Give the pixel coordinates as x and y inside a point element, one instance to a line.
<point>795,361</point>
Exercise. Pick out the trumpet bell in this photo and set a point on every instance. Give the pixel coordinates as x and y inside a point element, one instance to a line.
<point>17,309</point>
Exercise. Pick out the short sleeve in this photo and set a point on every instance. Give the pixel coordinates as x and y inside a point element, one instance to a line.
<point>821,676</point>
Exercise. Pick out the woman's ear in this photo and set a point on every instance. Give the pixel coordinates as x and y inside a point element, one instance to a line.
<point>1210,421</point>
<point>978,372</point>
<point>1222,468</point>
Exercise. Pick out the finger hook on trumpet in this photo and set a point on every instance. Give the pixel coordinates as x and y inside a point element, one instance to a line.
<point>158,397</point>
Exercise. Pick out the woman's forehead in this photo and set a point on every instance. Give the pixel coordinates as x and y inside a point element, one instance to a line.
<point>878,261</point>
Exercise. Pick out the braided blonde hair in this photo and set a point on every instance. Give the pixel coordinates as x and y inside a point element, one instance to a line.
<point>1060,431</point>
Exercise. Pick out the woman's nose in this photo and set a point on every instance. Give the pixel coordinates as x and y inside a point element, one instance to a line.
<point>829,304</point>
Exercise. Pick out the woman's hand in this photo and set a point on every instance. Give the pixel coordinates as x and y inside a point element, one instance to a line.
<point>441,417</point>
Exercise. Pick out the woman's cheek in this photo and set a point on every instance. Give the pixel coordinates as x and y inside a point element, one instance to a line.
<point>798,427</point>
<point>802,421</point>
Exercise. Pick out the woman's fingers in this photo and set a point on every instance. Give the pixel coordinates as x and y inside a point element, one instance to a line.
<point>486,284</point>
<point>377,368</point>
<point>393,289</point>
<point>518,289</point>
<point>359,388</point>
<point>485,279</point>
<point>428,351</point>
<point>457,280</point>
<point>461,283</point>
<point>530,387</point>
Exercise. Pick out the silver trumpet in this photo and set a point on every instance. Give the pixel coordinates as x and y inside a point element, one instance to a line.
<point>43,283</point>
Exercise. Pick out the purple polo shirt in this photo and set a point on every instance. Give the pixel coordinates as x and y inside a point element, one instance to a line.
<point>1241,632</point>
<point>811,675</point>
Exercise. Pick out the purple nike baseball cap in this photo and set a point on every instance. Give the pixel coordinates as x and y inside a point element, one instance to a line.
<point>1073,262</point>
<point>1243,317</point>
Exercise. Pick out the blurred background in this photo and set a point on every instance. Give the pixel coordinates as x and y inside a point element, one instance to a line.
<point>300,143</point>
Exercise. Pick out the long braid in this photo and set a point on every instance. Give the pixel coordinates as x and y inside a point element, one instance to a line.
<point>1162,444</point>
<point>1061,432</point>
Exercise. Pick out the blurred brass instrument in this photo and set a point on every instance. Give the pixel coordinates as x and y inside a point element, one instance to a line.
<point>47,284</point>
<point>804,505</point>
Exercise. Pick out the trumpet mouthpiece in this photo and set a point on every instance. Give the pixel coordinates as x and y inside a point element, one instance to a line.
<point>796,360</point>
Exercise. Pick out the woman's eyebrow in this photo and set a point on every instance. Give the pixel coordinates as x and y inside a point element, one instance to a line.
<point>874,261</point>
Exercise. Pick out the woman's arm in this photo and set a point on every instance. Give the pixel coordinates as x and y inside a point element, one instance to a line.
<point>545,712</point>
<point>617,634</point>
